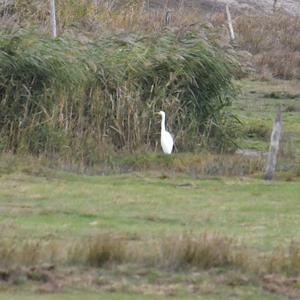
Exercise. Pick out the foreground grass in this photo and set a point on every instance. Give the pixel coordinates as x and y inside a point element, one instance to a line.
<point>148,234</point>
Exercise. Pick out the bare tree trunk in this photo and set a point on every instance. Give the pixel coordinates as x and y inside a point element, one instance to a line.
<point>274,146</point>
<point>53,18</point>
<point>275,5</point>
<point>230,26</point>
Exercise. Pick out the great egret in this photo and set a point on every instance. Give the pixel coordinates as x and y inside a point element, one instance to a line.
<point>166,139</point>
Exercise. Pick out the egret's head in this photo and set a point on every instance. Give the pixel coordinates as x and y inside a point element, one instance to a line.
<point>162,113</point>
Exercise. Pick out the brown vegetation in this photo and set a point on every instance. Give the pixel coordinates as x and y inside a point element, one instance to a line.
<point>48,263</point>
<point>274,40</point>
<point>195,165</point>
<point>206,251</point>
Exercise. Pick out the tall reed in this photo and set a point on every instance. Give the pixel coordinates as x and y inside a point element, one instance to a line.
<point>82,100</point>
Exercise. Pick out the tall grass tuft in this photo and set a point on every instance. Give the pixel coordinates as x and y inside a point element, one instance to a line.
<point>205,251</point>
<point>94,251</point>
<point>82,100</point>
<point>98,250</point>
<point>183,251</point>
<point>285,260</point>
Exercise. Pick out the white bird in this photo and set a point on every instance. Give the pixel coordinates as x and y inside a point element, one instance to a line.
<point>166,139</point>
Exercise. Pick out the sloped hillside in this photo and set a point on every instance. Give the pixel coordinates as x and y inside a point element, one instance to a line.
<point>212,6</point>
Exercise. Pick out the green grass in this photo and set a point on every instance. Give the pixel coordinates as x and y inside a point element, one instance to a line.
<point>256,107</point>
<point>250,209</point>
<point>234,294</point>
<point>142,206</point>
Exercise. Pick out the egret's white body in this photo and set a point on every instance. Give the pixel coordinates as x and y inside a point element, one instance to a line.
<point>166,138</point>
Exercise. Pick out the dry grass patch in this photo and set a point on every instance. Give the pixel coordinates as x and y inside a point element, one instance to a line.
<point>285,260</point>
<point>93,251</point>
<point>194,164</point>
<point>275,42</point>
<point>154,266</point>
<point>106,16</point>
<point>99,250</point>
<point>205,252</point>
<point>14,252</point>
<point>175,252</point>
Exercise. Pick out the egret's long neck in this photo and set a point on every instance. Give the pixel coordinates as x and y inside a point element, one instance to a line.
<point>163,127</point>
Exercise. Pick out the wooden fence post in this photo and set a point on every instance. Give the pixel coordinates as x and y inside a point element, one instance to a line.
<point>167,18</point>
<point>274,5</point>
<point>274,146</point>
<point>53,18</point>
<point>230,26</point>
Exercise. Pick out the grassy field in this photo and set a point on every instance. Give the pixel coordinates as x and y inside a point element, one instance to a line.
<point>249,209</point>
<point>144,210</point>
<point>256,107</point>
<point>155,228</point>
